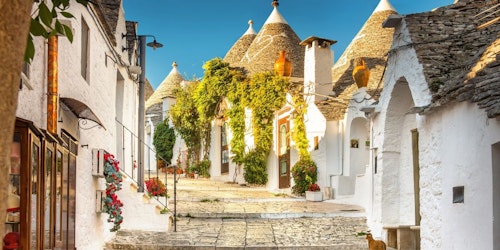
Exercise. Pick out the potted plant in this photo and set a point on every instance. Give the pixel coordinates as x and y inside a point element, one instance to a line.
<point>156,187</point>
<point>314,193</point>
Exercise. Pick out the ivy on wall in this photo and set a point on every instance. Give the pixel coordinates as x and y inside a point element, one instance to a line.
<point>299,135</point>
<point>263,93</point>
<point>184,116</point>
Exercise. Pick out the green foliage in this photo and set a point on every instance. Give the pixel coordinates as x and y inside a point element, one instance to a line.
<point>255,167</point>
<point>209,94</point>
<point>237,124</point>
<point>164,140</point>
<point>185,120</point>
<point>267,93</point>
<point>304,173</point>
<point>45,22</point>
<point>299,129</point>
<point>236,90</point>
<point>198,106</point>
<point>202,168</point>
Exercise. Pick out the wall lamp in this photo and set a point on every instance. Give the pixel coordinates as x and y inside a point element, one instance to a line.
<point>154,44</point>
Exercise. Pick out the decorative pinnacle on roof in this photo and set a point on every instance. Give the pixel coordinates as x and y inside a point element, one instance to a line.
<point>250,30</point>
<point>275,16</point>
<point>174,65</point>
<point>384,5</point>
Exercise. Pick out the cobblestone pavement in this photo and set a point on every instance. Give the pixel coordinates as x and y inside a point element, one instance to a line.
<point>217,215</point>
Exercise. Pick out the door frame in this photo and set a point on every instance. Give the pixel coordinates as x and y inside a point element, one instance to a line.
<point>283,177</point>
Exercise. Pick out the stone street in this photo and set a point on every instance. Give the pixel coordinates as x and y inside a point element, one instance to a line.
<point>217,215</point>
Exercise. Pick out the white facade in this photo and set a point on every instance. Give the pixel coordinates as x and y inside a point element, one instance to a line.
<point>457,144</point>
<point>109,91</point>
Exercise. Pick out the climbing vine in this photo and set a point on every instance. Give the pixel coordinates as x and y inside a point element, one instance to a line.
<point>266,94</point>
<point>184,116</point>
<point>209,94</point>
<point>197,107</point>
<point>299,135</point>
<point>236,113</point>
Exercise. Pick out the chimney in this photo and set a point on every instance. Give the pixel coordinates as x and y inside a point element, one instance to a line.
<point>317,66</point>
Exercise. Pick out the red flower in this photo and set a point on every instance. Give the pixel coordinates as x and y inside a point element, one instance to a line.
<point>314,187</point>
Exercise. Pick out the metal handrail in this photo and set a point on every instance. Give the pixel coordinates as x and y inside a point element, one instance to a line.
<point>132,174</point>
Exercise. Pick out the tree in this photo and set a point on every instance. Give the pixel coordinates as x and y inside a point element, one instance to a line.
<point>15,23</point>
<point>164,140</point>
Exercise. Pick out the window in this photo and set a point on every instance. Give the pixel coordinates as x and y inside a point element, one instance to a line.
<point>85,51</point>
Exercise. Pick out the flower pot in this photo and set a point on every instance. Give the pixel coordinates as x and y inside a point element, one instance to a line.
<point>314,196</point>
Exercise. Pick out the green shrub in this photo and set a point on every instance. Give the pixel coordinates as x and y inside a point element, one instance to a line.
<point>164,140</point>
<point>304,173</point>
<point>202,168</point>
<point>255,167</point>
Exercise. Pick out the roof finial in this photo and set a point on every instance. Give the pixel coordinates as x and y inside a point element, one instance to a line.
<point>275,3</point>
<point>250,22</point>
<point>174,65</point>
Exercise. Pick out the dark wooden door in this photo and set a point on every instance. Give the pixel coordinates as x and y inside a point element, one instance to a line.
<point>283,153</point>
<point>224,149</point>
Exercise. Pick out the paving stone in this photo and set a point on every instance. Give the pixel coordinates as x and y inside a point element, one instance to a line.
<point>256,220</point>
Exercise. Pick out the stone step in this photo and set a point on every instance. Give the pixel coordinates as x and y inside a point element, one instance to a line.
<point>230,215</point>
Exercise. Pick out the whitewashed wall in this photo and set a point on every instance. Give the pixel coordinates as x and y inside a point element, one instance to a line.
<point>98,93</point>
<point>455,149</point>
<point>459,141</point>
<point>392,187</point>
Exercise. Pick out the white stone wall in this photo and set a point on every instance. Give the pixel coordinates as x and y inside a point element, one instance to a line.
<point>463,137</point>
<point>98,92</point>
<point>455,149</point>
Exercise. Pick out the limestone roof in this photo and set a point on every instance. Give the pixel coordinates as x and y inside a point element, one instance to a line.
<point>166,88</point>
<point>274,36</point>
<point>237,51</point>
<point>372,43</point>
<point>108,12</point>
<point>459,49</point>
<point>148,90</point>
<point>131,27</point>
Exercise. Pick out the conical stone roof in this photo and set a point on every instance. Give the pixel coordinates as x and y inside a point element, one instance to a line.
<point>238,50</point>
<point>372,43</point>
<point>275,35</point>
<point>166,88</point>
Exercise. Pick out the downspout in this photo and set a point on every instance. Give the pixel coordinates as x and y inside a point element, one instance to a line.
<point>52,82</point>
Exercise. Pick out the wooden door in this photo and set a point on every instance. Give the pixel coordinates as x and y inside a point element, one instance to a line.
<point>283,153</point>
<point>224,149</point>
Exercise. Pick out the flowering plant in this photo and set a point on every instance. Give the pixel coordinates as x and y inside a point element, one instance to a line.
<point>314,187</point>
<point>156,187</point>
<point>304,173</point>
<point>112,205</point>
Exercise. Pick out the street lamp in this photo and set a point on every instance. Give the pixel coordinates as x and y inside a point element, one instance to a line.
<point>142,102</point>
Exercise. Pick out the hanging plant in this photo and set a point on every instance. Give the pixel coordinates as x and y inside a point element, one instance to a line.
<point>112,205</point>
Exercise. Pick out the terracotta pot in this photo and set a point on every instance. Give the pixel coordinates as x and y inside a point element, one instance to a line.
<point>283,66</point>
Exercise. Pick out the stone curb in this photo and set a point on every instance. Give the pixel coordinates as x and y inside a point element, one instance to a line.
<point>269,215</point>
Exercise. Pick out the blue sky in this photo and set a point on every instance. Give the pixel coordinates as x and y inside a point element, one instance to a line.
<point>195,31</point>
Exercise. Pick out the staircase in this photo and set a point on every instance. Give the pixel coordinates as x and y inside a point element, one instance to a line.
<point>140,212</point>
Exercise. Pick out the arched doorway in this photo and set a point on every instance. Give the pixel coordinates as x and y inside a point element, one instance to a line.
<point>399,160</point>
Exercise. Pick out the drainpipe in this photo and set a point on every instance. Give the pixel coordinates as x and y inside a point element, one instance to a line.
<point>52,81</point>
